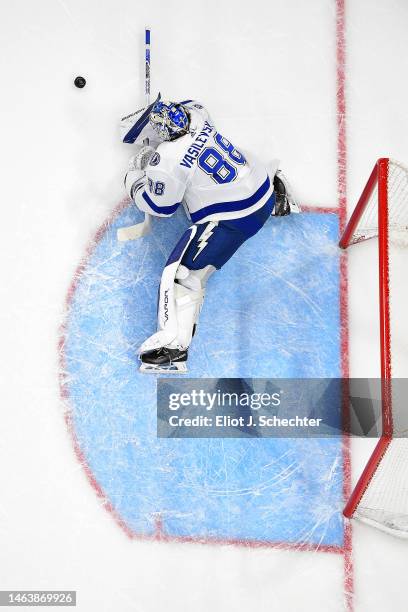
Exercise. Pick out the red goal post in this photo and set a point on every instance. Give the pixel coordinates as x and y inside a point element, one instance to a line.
<point>382,211</point>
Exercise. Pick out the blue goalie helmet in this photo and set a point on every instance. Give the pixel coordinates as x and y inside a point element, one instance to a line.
<point>169,119</point>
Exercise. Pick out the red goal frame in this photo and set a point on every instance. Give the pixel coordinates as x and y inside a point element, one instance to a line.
<point>379,178</point>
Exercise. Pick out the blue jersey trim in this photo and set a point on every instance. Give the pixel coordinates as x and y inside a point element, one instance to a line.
<point>236,205</point>
<point>162,210</point>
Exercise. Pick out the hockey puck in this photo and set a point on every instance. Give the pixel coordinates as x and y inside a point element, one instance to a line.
<point>80,82</point>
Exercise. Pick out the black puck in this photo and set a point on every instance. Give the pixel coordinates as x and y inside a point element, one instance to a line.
<point>80,82</point>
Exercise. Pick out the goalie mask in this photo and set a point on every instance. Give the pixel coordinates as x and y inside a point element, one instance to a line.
<point>169,119</point>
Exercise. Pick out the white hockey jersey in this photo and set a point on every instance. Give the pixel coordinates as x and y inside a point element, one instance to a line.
<point>204,170</point>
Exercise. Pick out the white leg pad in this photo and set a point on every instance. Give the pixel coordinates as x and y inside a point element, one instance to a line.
<point>167,324</point>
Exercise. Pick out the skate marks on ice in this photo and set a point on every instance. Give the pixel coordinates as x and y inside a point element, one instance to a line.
<point>273,311</point>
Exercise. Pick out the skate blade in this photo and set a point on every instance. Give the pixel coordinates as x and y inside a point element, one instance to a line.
<point>295,208</point>
<point>174,368</point>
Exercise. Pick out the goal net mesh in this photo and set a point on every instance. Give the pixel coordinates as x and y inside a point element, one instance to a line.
<point>368,225</point>
<point>384,503</point>
<point>381,495</point>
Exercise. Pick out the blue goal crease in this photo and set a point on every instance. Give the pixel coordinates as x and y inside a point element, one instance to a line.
<point>279,318</point>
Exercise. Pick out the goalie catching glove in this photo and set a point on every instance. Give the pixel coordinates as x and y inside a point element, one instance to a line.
<point>141,159</point>
<point>135,177</point>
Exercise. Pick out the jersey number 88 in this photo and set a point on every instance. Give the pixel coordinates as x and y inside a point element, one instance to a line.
<point>216,165</point>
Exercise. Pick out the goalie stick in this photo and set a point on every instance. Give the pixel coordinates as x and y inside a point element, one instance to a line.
<point>140,229</point>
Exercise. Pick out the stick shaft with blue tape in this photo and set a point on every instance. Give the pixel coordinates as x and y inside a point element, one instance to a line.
<point>140,229</point>
<point>147,65</point>
<point>144,228</point>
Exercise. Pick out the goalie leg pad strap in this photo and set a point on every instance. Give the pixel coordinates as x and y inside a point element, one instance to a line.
<point>189,292</point>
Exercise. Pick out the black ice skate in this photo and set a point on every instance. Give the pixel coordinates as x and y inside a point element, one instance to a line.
<point>285,202</point>
<point>164,360</point>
